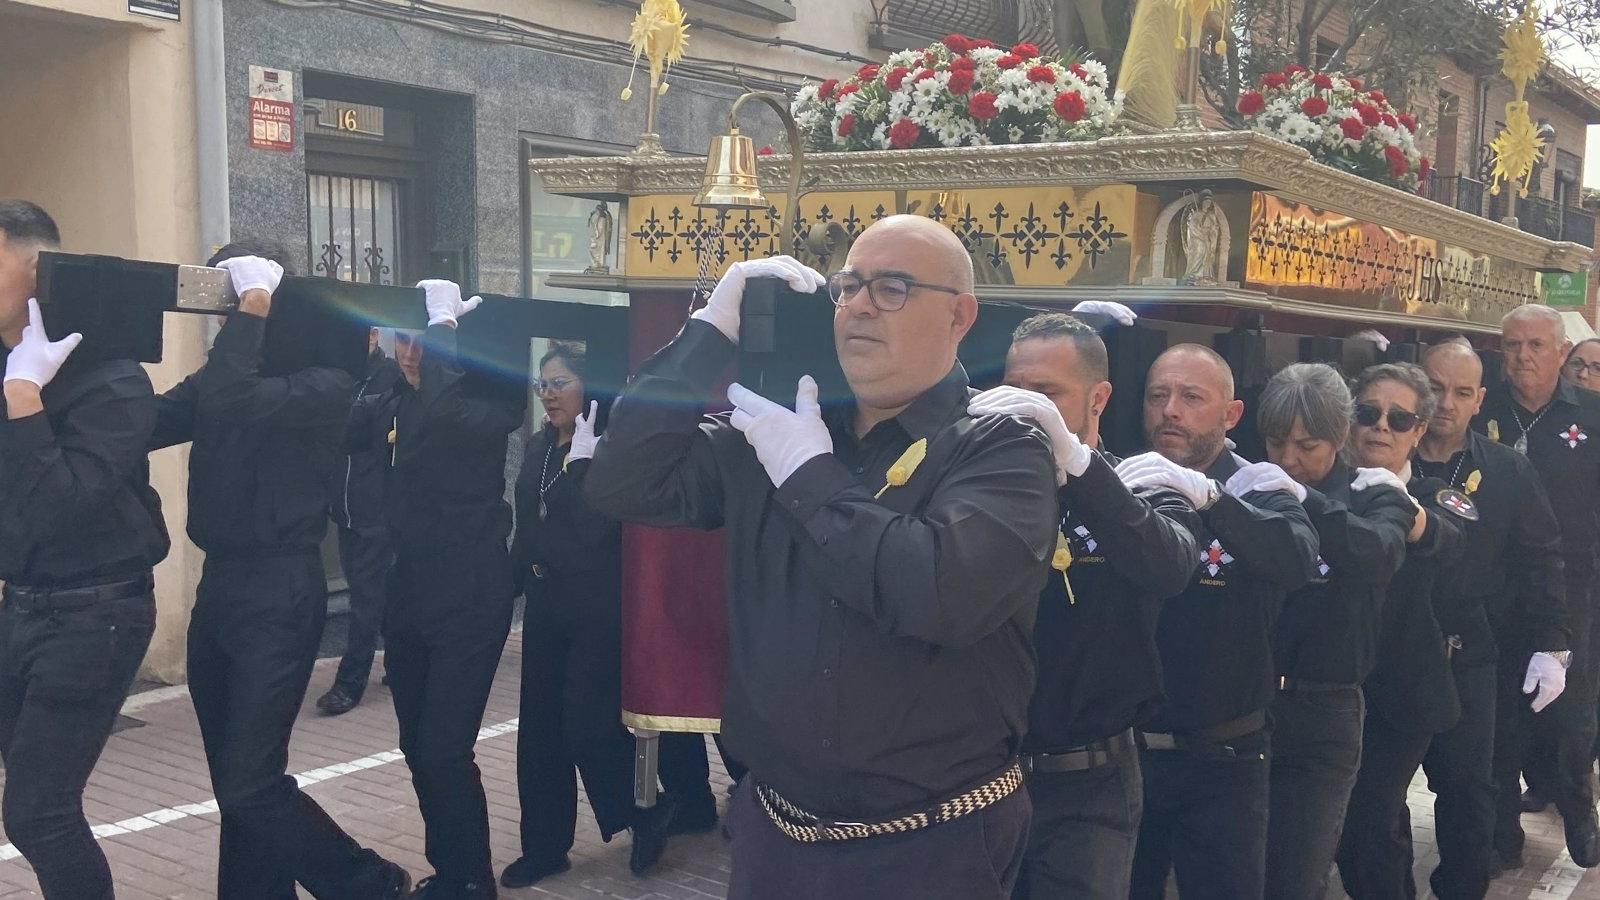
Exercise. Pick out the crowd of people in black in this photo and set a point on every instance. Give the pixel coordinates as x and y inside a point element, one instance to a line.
<point>972,653</point>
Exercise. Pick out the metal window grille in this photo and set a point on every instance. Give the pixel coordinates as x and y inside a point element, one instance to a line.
<point>355,227</point>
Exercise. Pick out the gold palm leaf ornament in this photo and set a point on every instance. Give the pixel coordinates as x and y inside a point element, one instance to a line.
<point>1192,15</point>
<point>1523,54</point>
<point>659,35</point>
<point>1516,149</point>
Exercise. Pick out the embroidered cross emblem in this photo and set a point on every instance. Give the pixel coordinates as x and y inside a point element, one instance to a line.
<point>1573,436</point>
<point>1213,558</point>
<point>1089,543</point>
<point>1457,503</point>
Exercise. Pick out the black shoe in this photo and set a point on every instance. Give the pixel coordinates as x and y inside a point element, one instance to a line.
<point>396,884</point>
<point>1583,840</point>
<point>650,830</point>
<point>338,701</point>
<point>527,871</point>
<point>693,816</point>
<point>435,888</point>
<point>1501,862</point>
<point>1534,802</point>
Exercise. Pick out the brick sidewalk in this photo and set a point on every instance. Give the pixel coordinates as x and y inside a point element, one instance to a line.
<point>149,798</point>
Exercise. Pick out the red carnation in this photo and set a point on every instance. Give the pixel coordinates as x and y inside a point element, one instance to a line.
<point>846,90</point>
<point>1369,114</point>
<point>1409,121</point>
<point>1314,106</point>
<point>847,124</point>
<point>825,89</point>
<point>1322,82</point>
<point>1391,121</point>
<point>867,72</point>
<point>1397,161</point>
<point>958,43</point>
<point>896,75</point>
<point>1377,97</point>
<point>1293,69</point>
<point>924,75</point>
<point>904,133</point>
<point>929,60</point>
<point>1274,80</point>
<point>1353,129</point>
<point>1070,106</point>
<point>1026,50</point>
<point>961,81</point>
<point>1009,61</point>
<point>1251,102</point>
<point>1424,166</point>
<point>1042,75</point>
<point>982,107</point>
<point>1079,71</point>
<point>1355,83</point>
<point>983,44</point>
<point>963,64</point>
<point>765,151</point>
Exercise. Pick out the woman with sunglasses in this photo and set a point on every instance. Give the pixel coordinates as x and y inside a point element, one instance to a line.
<point>1410,693</point>
<point>1326,637</point>
<point>1582,367</point>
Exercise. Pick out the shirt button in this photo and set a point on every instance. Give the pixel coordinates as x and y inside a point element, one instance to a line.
<point>834,603</point>
<point>827,673</point>
<point>827,743</point>
<point>823,540</point>
<point>860,469</point>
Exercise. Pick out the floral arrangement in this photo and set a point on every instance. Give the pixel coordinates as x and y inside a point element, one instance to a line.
<point>1343,124</point>
<point>959,92</point>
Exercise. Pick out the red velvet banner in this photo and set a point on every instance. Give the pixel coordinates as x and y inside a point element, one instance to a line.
<point>674,613</point>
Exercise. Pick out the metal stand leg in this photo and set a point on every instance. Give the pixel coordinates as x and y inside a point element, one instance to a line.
<point>646,750</point>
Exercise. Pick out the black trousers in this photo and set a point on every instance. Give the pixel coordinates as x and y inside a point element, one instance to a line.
<point>1559,759</point>
<point>1205,818</point>
<point>1375,851</point>
<point>975,857</point>
<point>63,677</point>
<point>1316,753</point>
<point>685,770</point>
<point>366,556</point>
<point>1460,768</point>
<point>252,641</point>
<point>1513,722</point>
<point>449,614</point>
<point>1085,825</point>
<point>571,716</point>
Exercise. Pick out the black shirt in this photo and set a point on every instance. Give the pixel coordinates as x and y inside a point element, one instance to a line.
<point>76,507</point>
<point>1564,447</point>
<point>577,548</point>
<point>1216,637</point>
<point>880,652</point>
<point>1328,631</point>
<point>355,495</point>
<point>1099,672</point>
<point>1506,588</point>
<point>1412,686</point>
<point>264,448</point>
<point>446,453</point>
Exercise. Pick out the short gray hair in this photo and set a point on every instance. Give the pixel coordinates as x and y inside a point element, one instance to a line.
<point>1409,374</point>
<point>1312,394</point>
<point>1538,311</point>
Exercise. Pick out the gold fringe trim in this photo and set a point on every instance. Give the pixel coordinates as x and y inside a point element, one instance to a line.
<point>672,723</point>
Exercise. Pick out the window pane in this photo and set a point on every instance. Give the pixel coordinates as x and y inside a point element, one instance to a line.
<point>558,242</point>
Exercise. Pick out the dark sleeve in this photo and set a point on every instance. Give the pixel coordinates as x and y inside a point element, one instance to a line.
<point>230,387</point>
<point>442,404</point>
<point>1269,533</point>
<point>1441,537</point>
<point>61,477</point>
<point>1370,544</point>
<point>656,464</point>
<point>1537,568</point>
<point>361,428</point>
<point>953,574</point>
<point>175,415</point>
<point>1148,537</point>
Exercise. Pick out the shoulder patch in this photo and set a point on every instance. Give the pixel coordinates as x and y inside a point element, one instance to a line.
<point>1457,503</point>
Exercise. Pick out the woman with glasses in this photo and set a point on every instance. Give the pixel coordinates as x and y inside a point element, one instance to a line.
<point>567,560</point>
<point>1410,693</point>
<point>1582,367</point>
<point>1326,637</point>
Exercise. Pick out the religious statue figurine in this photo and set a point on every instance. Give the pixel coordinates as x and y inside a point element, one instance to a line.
<point>1202,233</point>
<point>599,239</point>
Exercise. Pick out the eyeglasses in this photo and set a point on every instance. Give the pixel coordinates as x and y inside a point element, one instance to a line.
<point>1576,367</point>
<point>888,292</point>
<point>1400,421</point>
<point>553,386</point>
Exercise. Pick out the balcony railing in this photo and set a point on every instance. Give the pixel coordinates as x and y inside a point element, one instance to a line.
<point>1535,215</point>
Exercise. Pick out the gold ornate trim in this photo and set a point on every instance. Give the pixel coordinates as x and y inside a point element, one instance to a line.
<point>672,723</point>
<point>1205,158</point>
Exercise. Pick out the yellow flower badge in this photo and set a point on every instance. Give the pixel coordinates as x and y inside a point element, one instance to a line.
<point>1061,561</point>
<point>1494,430</point>
<point>1473,481</point>
<point>904,467</point>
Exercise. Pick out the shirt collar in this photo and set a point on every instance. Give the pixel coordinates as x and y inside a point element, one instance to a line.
<point>1337,481</point>
<point>935,408</point>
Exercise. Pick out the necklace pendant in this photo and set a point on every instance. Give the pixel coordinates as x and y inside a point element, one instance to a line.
<point>544,511</point>
<point>1521,446</point>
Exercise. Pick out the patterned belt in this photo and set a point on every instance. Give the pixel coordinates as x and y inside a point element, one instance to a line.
<point>810,829</point>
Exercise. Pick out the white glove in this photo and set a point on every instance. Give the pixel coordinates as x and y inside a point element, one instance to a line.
<point>35,358</point>
<point>1371,477</point>
<point>583,439</point>
<point>783,440</point>
<point>1548,677</point>
<point>445,305</point>
<point>1263,476</point>
<point>252,273</point>
<point>1122,314</point>
<point>1072,456</point>
<point>1373,335</point>
<point>1152,470</point>
<point>722,310</point>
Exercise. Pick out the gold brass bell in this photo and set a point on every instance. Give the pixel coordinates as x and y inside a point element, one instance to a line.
<point>730,181</point>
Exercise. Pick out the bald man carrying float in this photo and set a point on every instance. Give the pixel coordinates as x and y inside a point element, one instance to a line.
<point>885,558</point>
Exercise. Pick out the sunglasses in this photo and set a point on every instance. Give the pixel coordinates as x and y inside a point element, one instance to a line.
<point>1400,421</point>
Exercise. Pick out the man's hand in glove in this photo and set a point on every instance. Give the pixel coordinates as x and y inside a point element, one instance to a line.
<point>445,306</point>
<point>1152,470</point>
<point>1263,476</point>
<point>1546,679</point>
<point>1072,456</point>
<point>783,440</point>
<point>722,310</point>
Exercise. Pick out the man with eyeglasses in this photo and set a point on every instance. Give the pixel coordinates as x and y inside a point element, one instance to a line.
<point>1551,422</point>
<point>885,560</point>
<point>1502,600</point>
